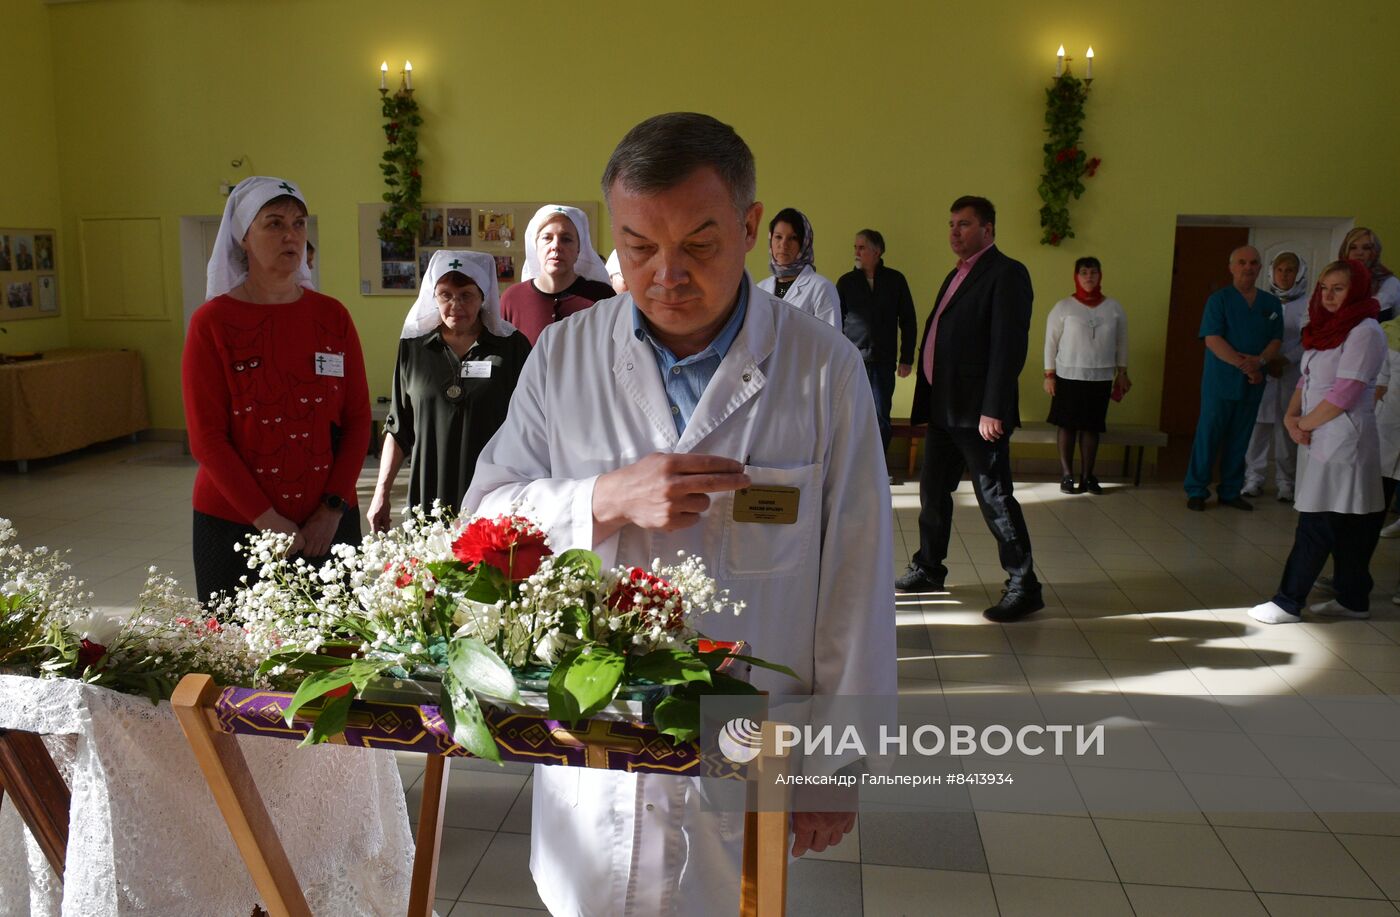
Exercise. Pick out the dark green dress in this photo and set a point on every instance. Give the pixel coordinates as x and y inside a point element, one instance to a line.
<point>445,409</point>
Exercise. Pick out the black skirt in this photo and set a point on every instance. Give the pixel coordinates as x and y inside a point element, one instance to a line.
<point>1080,405</point>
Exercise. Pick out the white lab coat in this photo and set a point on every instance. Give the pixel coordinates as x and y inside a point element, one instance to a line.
<point>792,399</point>
<point>812,293</point>
<point>1339,471</point>
<point>1279,391</point>
<point>1388,415</point>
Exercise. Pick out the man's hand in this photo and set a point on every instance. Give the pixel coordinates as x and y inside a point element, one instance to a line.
<point>662,492</point>
<point>319,530</point>
<point>990,428</point>
<point>904,370</point>
<point>816,831</point>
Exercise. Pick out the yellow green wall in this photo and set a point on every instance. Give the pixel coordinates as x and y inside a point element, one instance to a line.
<point>876,115</point>
<point>29,195</point>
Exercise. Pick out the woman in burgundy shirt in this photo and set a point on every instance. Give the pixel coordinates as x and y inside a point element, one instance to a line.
<point>562,273</point>
<point>276,402</point>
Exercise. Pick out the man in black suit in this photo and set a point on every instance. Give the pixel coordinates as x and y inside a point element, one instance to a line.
<point>974,347</point>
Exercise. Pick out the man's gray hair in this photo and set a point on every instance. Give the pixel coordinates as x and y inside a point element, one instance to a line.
<point>664,150</point>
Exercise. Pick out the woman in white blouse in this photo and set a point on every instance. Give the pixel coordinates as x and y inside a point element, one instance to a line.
<point>1086,363</point>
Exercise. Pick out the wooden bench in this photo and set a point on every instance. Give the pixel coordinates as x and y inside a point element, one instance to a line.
<point>1129,436</point>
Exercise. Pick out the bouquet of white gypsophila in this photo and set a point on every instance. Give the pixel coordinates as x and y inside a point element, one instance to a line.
<point>473,603</point>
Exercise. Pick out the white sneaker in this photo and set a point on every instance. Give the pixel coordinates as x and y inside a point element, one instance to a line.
<point>1269,613</point>
<point>1334,609</point>
<point>1285,495</point>
<point>1252,490</point>
<point>1392,530</point>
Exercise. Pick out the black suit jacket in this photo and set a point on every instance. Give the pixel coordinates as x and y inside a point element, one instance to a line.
<point>980,349</point>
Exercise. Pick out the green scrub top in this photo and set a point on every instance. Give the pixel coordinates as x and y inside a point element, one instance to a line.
<point>445,410</point>
<point>1248,329</point>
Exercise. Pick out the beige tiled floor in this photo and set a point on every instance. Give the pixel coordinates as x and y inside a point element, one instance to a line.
<point>1142,596</point>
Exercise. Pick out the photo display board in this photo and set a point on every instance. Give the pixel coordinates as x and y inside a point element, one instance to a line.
<point>28,274</point>
<point>494,227</point>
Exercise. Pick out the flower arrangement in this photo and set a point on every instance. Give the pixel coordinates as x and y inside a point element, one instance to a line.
<point>401,164</point>
<point>475,603</point>
<point>48,627</point>
<point>1066,165</point>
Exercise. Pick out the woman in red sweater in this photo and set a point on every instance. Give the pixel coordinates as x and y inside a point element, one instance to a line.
<point>276,402</point>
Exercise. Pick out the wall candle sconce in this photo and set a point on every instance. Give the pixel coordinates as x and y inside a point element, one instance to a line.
<point>1062,63</point>
<point>1089,65</point>
<point>405,78</point>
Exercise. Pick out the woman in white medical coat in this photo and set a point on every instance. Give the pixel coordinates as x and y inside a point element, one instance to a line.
<point>1332,418</point>
<point>795,280</point>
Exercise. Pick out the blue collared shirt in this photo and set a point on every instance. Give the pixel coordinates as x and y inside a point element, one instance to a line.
<point>685,380</point>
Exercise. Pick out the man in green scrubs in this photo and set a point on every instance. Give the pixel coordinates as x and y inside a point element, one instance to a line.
<point>1243,330</point>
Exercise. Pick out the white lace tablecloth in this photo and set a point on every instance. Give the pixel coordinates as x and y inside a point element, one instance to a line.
<point>145,836</point>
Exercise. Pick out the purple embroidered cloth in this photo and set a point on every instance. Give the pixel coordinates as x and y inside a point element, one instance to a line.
<point>523,737</point>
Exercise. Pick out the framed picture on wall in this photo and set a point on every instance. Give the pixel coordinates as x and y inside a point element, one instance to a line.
<point>459,227</point>
<point>430,231</point>
<point>28,273</point>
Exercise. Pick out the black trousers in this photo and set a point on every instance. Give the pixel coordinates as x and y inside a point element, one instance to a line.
<point>219,568</point>
<point>947,454</point>
<point>1351,540</point>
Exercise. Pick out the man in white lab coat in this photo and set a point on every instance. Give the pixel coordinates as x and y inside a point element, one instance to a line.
<point>630,431</point>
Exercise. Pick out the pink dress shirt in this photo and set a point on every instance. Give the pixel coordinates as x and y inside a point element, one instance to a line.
<point>964,268</point>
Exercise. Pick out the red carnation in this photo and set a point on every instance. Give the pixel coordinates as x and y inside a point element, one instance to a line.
<point>405,573</point>
<point>648,595</point>
<point>512,544</point>
<point>1066,154</point>
<point>1054,238</point>
<point>90,654</point>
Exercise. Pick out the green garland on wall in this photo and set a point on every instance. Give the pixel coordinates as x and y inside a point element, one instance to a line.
<point>1066,165</point>
<point>400,166</point>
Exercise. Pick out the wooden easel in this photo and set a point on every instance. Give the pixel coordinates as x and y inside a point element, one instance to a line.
<point>37,791</point>
<point>764,880</point>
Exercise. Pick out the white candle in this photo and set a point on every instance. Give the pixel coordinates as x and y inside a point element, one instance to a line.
<point>1060,61</point>
<point>407,74</point>
<point>384,75</point>
<point>1089,63</point>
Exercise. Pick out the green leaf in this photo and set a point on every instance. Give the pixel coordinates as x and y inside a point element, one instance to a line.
<point>678,716</point>
<point>317,685</point>
<point>725,684</point>
<point>329,722</point>
<point>668,666</point>
<point>476,666</point>
<point>765,664</point>
<point>590,679</point>
<point>305,662</point>
<point>462,715</point>
<point>587,561</point>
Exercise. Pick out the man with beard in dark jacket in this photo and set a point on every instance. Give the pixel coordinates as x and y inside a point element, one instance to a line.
<point>877,315</point>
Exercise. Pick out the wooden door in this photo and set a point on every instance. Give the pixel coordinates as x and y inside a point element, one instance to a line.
<point>1199,267</point>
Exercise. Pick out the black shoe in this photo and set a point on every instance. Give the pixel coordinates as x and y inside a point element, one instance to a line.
<point>1014,606</point>
<point>1067,485</point>
<point>1239,503</point>
<point>1090,484</point>
<point>1196,504</point>
<point>916,580</point>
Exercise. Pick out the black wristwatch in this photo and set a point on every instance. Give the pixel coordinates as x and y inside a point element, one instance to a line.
<point>334,502</point>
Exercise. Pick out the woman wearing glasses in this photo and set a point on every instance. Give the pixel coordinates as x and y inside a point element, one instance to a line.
<point>457,367</point>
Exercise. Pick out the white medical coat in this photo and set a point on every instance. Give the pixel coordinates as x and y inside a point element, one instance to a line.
<point>1279,391</point>
<point>812,293</point>
<point>1339,471</point>
<point>790,399</point>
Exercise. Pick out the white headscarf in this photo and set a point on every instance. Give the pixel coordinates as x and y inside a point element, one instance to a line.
<point>481,268</point>
<point>228,265</point>
<point>588,265</point>
<point>1300,285</point>
<point>613,266</point>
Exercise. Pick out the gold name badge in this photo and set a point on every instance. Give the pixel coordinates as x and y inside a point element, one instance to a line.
<point>770,504</point>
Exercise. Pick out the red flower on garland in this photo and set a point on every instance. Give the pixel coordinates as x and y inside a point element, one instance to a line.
<point>648,595</point>
<point>1092,166</point>
<point>1066,154</point>
<point>512,544</point>
<point>415,174</point>
<point>1054,238</point>
<point>90,654</point>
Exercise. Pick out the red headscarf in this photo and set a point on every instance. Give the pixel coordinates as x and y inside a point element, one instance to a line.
<point>1326,330</point>
<point>1084,296</point>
